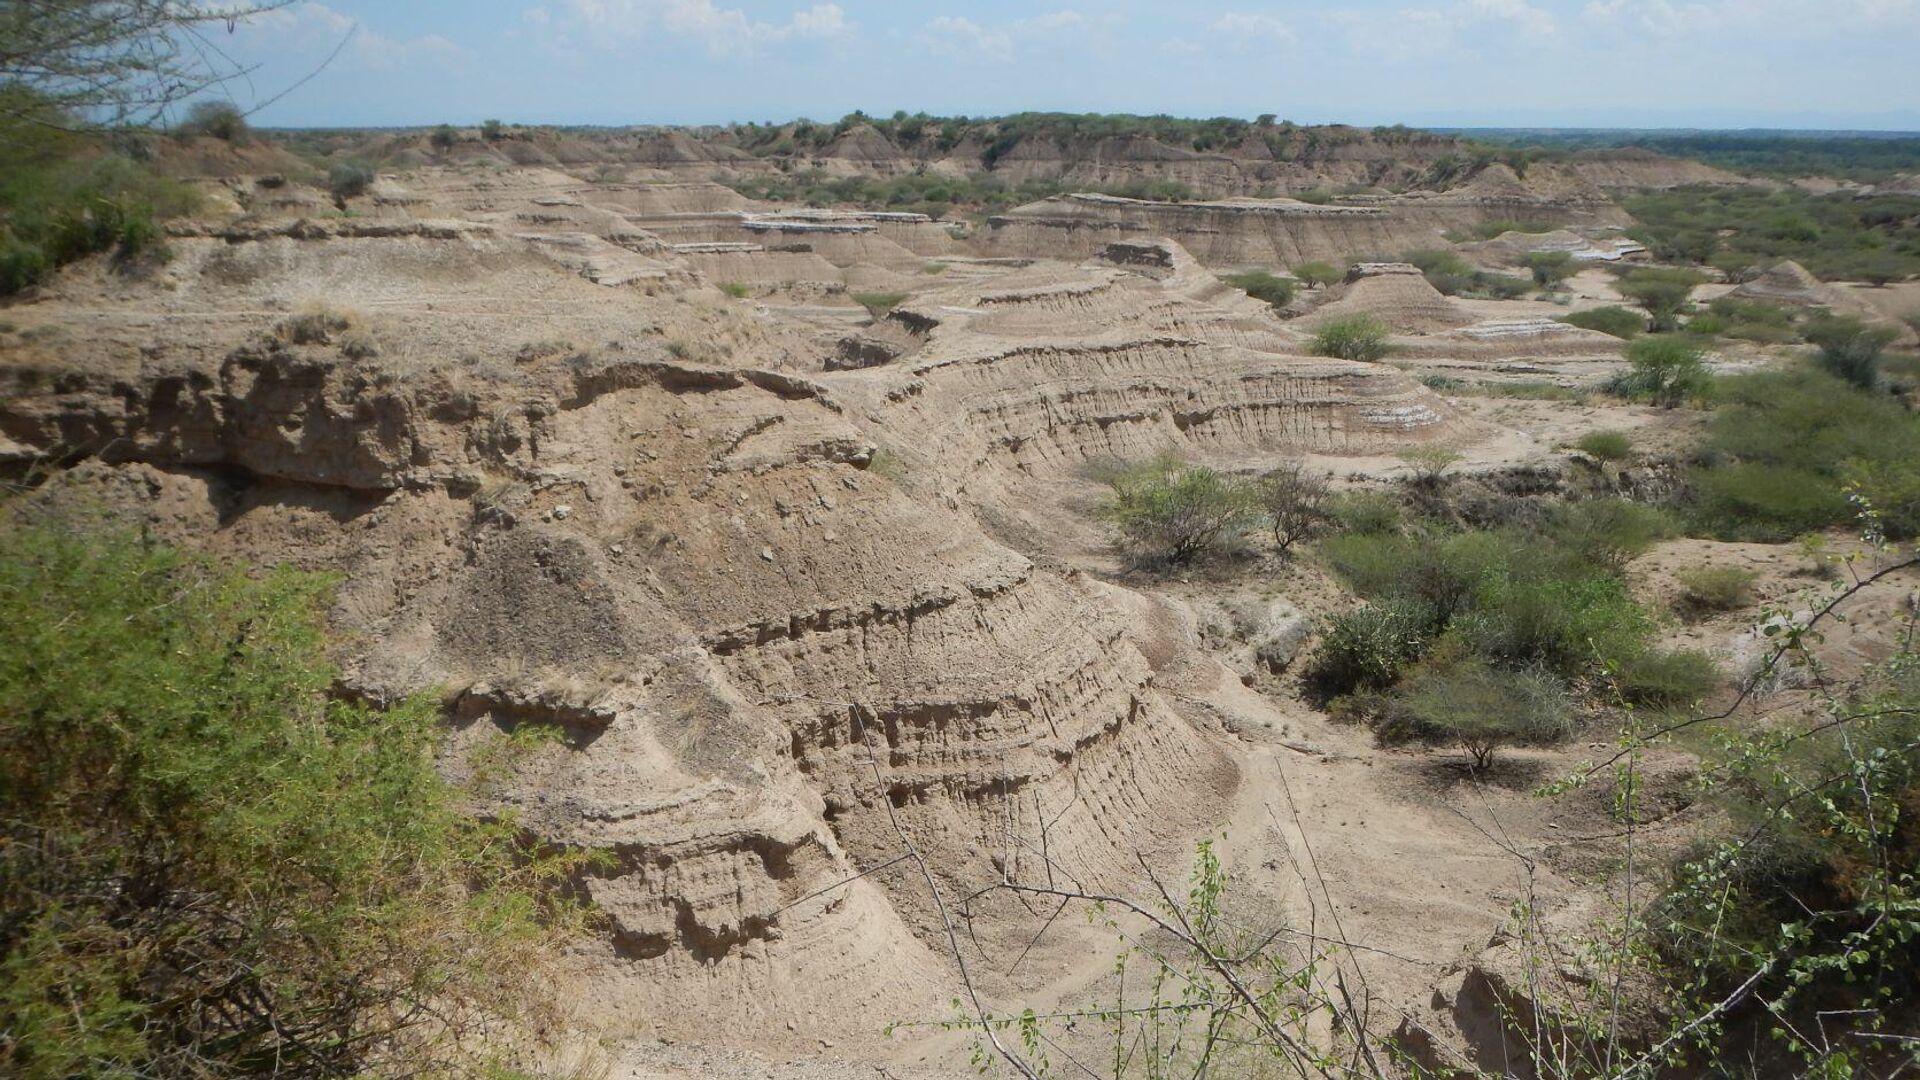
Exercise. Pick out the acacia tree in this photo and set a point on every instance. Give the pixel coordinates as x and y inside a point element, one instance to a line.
<point>1168,510</point>
<point>1662,291</point>
<point>108,63</point>
<point>1550,268</point>
<point>1295,501</point>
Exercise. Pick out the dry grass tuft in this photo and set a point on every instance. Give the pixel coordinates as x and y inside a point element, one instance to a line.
<point>323,324</point>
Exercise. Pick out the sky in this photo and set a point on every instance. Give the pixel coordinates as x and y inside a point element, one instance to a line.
<point>1466,63</point>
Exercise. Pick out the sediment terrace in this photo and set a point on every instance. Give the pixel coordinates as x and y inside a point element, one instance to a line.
<point>571,482</point>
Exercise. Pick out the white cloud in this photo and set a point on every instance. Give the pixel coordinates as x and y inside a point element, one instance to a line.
<point>952,33</point>
<point>316,26</point>
<point>1244,26</point>
<point>1464,26</point>
<point>1785,17</point>
<point>1521,15</point>
<point>962,36</point>
<point>1054,20</point>
<point>721,30</point>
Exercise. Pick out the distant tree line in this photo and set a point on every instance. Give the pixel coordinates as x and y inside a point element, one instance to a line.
<point>1867,158</point>
<point>994,137</point>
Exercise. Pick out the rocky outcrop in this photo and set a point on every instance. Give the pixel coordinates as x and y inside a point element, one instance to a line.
<point>1789,283</point>
<point>1280,232</point>
<point>1046,372</point>
<point>1510,249</point>
<point>1396,294</point>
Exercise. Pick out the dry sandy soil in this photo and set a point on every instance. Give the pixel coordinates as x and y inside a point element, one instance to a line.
<point>817,597</point>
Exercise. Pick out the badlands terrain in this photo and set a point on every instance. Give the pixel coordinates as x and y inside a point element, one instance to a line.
<point>787,520</point>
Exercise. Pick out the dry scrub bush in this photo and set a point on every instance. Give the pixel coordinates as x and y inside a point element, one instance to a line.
<point>1851,349</point>
<point>697,352</point>
<point>1550,268</point>
<point>1295,502</point>
<point>1166,510</point>
<point>879,303</point>
<point>1795,451</point>
<point>1707,589</point>
<point>1427,465</point>
<point>1606,445</point>
<point>1263,285</point>
<point>321,324</point>
<point>222,120</point>
<point>1353,337</point>
<point>1662,291</point>
<point>1617,321</point>
<point>349,179</point>
<point>1666,370</point>
<point>1479,707</point>
<point>1318,274</point>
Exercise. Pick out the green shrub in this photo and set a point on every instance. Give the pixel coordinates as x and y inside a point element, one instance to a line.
<point>1813,848</point>
<point>1713,325</point>
<point>1746,320</point>
<point>21,265</point>
<point>1517,597</point>
<point>210,866</point>
<point>1706,589</point>
<point>492,130</point>
<point>1785,444</point>
<point>1487,230</point>
<point>1480,707</point>
<point>1450,273</point>
<point>1667,370</point>
<point>1352,337</point>
<point>1366,649</point>
<point>1890,484</point>
<point>61,205</point>
<point>220,119</point>
<point>1167,510</point>
<point>737,290</point>
<point>1662,679</point>
<point>1569,622</point>
<point>1366,512</point>
<point>1445,269</point>
<point>1617,321</point>
<point>1760,501</point>
<point>879,303</point>
<point>349,179</point>
<point>1608,532</point>
<point>1550,268</point>
<point>1319,274</point>
<point>1501,286</point>
<point>1662,291</point>
<point>1262,285</point>
<point>1372,561</point>
<point>443,137</point>
<point>1849,348</point>
<point>1295,503</point>
<point>1839,237</point>
<point>1606,445</point>
<point>1427,465</point>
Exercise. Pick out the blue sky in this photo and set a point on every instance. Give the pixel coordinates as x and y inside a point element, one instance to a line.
<point>1644,63</point>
